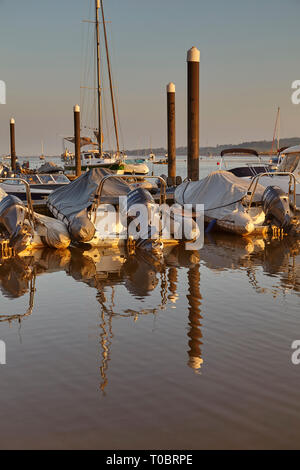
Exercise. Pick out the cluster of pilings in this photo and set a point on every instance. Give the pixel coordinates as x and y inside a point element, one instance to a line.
<point>193,61</point>
<point>13,158</point>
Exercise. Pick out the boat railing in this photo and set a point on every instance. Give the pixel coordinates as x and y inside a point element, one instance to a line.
<point>97,199</point>
<point>292,186</point>
<point>28,195</point>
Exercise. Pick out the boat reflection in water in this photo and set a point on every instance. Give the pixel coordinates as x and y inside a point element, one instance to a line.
<point>280,258</point>
<point>18,276</point>
<point>104,270</point>
<point>141,275</point>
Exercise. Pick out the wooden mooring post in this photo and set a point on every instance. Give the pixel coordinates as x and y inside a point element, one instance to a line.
<point>171,132</point>
<point>193,60</point>
<point>77,139</point>
<point>13,159</point>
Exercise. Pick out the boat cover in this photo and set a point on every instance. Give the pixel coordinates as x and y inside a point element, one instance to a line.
<point>50,167</point>
<point>220,192</point>
<point>73,198</point>
<point>2,194</point>
<point>71,202</point>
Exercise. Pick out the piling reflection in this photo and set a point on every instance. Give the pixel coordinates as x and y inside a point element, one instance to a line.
<point>195,334</point>
<point>190,260</point>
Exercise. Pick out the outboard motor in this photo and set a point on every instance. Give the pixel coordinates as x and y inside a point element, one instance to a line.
<point>12,217</point>
<point>148,232</point>
<point>81,229</point>
<point>276,206</point>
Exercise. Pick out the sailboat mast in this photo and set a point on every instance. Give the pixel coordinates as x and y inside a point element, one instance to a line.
<point>110,81</point>
<point>97,5</point>
<point>276,131</point>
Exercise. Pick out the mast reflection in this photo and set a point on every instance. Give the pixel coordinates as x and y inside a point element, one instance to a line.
<point>194,298</point>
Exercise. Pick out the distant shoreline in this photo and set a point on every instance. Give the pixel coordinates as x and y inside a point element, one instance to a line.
<point>263,147</point>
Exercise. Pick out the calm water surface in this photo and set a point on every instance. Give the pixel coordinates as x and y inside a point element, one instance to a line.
<point>110,350</point>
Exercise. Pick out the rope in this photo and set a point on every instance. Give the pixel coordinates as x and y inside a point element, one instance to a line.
<point>214,208</point>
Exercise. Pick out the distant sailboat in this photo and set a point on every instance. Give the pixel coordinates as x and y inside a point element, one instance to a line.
<point>274,161</point>
<point>151,154</point>
<point>276,134</point>
<point>42,156</point>
<point>96,157</point>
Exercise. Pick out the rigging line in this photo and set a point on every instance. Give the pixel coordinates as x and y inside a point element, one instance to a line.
<point>99,78</point>
<point>85,99</point>
<point>110,79</point>
<point>108,135</point>
<point>115,88</point>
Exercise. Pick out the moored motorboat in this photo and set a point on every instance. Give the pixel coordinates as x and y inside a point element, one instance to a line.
<point>288,163</point>
<point>41,185</point>
<point>25,229</point>
<point>97,209</point>
<point>233,205</point>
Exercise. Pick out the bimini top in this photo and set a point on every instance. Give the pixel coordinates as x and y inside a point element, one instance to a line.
<point>290,150</point>
<point>239,151</point>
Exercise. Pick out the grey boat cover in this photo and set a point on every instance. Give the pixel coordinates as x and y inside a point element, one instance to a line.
<point>71,202</point>
<point>49,167</point>
<point>220,192</point>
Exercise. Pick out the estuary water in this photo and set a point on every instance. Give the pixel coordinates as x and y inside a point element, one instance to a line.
<point>110,350</point>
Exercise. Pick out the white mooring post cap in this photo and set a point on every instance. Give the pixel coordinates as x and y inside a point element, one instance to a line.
<point>12,121</point>
<point>171,88</point>
<point>77,108</point>
<point>193,55</point>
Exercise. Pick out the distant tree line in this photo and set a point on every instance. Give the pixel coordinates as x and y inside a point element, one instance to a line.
<point>261,146</point>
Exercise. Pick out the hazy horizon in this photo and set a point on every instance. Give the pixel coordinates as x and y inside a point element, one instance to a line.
<point>249,58</point>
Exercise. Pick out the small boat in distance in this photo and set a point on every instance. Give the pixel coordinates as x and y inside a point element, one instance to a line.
<point>42,156</point>
<point>91,159</point>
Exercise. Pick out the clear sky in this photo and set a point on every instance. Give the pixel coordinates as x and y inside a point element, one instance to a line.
<point>249,58</point>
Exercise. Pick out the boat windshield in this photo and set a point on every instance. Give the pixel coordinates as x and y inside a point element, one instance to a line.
<point>46,179</point>
<point>32,179</point>
<point>59,178</point>
<point>289,163</point>
<point>12,181</point>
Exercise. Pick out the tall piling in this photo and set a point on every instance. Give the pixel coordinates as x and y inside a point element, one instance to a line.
<point>193,60</point>
<point>171,132</point>
<point>77,139</point>
<point>13,158</point>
